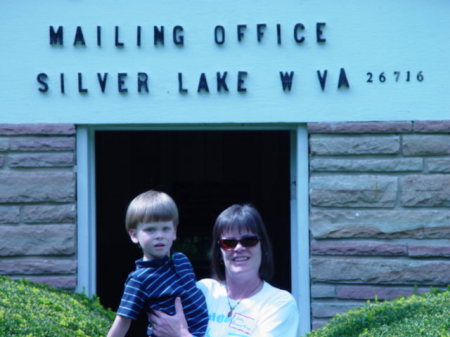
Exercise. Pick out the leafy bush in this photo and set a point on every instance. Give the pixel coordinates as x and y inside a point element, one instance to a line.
<point>426,315</point>
<point>35,310</point>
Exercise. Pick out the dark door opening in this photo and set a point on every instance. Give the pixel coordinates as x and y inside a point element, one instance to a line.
<point>205,172</point>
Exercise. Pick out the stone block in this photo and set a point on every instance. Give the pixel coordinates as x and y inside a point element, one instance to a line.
<point>437,249</point>
<point>360,127</point>
<point>425,190</point>
<point>340,247</point>
<point>63,282</point>
<point>354,145</point>
<point>41,160</point>
<point>37,240</point>
<point>33,186</point>
<point>378,271</point>
<point>353,191</point>
<point>42,144</point>
<point>426,145</point>
<point>323,291</point>
<point>37,129</point>
<point>381,224</point>
<point>4,144</point>
<point>438,165</point>
<point>371,292</point>
<point>431,126</point>
<point>318,323</point>
<point>366,165</point>
<point>49,214</point>
<point>9,215</point>
<point>329,309</point>
<point>37,266</point>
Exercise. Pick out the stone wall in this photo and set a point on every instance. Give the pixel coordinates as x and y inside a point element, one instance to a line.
<point>380,212</point>
<point>379,219</point>
<point>37,203</point>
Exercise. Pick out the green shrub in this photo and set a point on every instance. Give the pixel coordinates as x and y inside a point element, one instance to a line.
<point>426,315</point>
<point>35,310</point>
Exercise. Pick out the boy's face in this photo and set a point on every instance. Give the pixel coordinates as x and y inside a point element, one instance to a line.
<point>155,238</point>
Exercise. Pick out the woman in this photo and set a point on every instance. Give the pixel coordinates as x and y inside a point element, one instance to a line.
<point>240,300</point>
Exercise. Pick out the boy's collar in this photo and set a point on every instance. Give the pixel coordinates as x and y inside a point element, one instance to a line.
<point>152,263</point>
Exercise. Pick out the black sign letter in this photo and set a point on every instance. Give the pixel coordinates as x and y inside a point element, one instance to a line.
<point>343,81</point>
<point>121,82</point>
<point>319,32</point>
<point>178,36</point>
<point>240,32</point>
<point>42,79</point>
<point>260,28</point>
<point>99,36</point>
<point>142,82</point>
<point>61,82</point>
<point>322,78</point>
<point>81,90</point>
<point>56,37</point>
<point>181,90</point>
<point>158,35</point>
<point>79,37</point>
<point>116,38</point>
<point>286,80</point>
<point>241,81</point>
<point>222,82</point>
<point>299,26</point>
<point>203,84</point>
<point>278,33</point>
<point>138,36</point>
<point>219,35</point>
<point>102,81</point>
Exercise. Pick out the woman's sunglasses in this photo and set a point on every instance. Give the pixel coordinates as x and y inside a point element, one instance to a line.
<point>246,241</point>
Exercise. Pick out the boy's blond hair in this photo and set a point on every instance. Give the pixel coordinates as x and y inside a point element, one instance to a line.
<point>151,206</point>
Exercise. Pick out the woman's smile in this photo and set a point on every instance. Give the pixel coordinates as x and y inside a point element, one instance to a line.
<point>240,258</point>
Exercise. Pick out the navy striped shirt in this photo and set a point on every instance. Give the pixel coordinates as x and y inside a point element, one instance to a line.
<point>156,283</point>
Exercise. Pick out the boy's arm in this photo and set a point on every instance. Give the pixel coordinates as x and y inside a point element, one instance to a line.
<point>120,327</point>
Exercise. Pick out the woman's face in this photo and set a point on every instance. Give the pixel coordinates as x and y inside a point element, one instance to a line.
<point>241,260</point>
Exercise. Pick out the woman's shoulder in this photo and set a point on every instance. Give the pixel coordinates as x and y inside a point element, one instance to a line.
<point>210,286</point>
<point>275,294</point>
<point>209,283</point>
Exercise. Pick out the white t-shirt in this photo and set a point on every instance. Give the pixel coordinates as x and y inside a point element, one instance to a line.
<point>271,312</point>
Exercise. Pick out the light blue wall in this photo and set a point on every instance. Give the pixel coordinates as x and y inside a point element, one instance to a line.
<point>378,36</point>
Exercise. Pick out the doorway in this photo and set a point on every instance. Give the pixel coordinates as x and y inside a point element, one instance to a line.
<point>205,172</point>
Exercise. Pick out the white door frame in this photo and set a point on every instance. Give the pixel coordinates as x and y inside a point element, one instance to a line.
<point>300,267</point>
<point>86,220</point>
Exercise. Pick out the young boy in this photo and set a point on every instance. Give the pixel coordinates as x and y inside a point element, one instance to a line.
<point>151,222</point>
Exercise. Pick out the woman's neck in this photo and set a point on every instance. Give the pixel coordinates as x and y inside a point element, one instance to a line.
<point>239,288</point>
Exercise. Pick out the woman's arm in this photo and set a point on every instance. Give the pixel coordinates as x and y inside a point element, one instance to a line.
<point>165,325</point>
<point>120,327</point>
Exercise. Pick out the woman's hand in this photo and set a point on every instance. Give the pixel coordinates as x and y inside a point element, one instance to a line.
<point>165,325</point>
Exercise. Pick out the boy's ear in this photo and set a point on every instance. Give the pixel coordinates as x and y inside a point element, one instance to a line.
<point>132,234</point>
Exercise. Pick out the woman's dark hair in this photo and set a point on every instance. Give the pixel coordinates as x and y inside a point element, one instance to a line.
<point>241,218</point>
